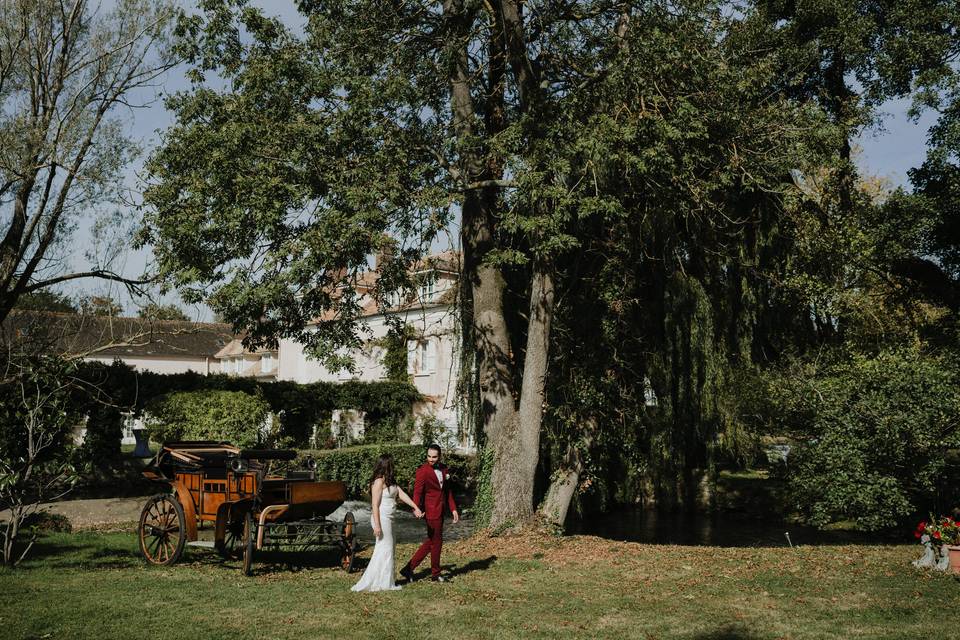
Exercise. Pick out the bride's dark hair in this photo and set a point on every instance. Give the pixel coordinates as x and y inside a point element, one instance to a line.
<point>384,469</point>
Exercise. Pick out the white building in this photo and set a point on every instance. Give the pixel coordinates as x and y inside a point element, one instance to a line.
<point>432,352</point>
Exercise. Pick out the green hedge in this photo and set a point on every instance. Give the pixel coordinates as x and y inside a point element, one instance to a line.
<point>208,415</point>
<point>298,407</point>
<point>354,465</point>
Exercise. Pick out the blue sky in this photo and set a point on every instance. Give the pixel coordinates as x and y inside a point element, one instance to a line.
<point>887,151</point>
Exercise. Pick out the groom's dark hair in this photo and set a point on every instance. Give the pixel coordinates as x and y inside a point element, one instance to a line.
<point>435,447</point>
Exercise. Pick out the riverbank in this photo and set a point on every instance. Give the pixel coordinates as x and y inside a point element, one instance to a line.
<point>94,585</point>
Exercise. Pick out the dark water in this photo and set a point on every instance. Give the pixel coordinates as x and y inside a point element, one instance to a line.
<point>721,530</point>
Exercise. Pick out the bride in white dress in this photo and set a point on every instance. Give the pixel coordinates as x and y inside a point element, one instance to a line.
<point>385,492</point>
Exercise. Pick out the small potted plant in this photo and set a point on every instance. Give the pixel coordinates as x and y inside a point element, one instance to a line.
<point>944,534</point>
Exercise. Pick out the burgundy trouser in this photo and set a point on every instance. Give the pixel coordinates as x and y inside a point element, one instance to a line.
<point>431,545</point>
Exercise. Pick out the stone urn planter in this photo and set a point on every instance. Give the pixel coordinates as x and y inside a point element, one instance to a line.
<point>142,449</point>
<point>953,553</point>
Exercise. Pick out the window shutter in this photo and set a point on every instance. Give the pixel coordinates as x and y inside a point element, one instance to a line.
<point>411,356</point>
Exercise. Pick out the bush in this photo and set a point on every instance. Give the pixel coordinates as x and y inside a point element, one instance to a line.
<point>874,433</point>
<point>208,415</point>
<point>47,522</point>
<point>36,417</point>
<point>298,407</point>
<point>353,465</point>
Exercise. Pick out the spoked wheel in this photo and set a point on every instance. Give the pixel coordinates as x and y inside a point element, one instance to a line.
<point>231,547</point>
<point>348,543</point>
<point>161,530</point>
<point>249,543</point>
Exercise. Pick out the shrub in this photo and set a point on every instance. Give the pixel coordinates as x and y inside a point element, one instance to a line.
<point>208,415</point>
<point>47,522</point>
<point>353,465</point>
<point>432,430</point>
<point>874,433</point>
<point>36,417</point>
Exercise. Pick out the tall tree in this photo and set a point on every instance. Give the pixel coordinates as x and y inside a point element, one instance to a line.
<point>46,300</point>
<point>66,69</point>
<point>385,118</point>
<point>537,123</point>
<point>154,311</point>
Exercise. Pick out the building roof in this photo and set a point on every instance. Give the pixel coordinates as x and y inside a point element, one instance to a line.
<point>235,348</point>
<point>80,335</point>
<point>446,263</point>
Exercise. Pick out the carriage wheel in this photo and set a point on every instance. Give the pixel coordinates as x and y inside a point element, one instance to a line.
<point>249,543</point>
<point>231,547</point>
<point>161,530</point>
<point>348,543</point>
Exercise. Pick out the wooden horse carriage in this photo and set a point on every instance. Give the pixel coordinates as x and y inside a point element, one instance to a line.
<point>251,510</point>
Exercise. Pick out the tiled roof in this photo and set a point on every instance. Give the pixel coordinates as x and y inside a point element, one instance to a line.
<point>446,262</point>
<point>85,335</point>
<point>235,348</point>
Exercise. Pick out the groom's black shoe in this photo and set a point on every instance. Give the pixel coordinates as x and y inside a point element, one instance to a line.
<point>407,573</point>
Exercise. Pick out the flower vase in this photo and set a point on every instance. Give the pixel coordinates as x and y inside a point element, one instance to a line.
<point>953,553</point>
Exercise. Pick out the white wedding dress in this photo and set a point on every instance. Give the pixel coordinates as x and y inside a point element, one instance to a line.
<point>379,573</point>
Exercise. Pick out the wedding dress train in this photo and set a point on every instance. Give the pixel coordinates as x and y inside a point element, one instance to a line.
<point>379,573</point>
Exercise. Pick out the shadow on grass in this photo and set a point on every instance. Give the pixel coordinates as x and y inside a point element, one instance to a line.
<point>296,561</point>
<point>728,632</point>
<point>473,565</point>
<point>59,552</point>
<point>453,571</point>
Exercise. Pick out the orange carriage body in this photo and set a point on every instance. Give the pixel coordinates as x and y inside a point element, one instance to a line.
<point>220,483</point>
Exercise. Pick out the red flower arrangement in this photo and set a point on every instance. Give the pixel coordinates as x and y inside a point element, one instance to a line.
<point>942,530</point>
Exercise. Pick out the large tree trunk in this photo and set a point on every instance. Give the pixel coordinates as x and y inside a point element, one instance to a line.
<point>491,335</point>
<point>516,455</point>
<point>511,419</point>
<point>565,480</point>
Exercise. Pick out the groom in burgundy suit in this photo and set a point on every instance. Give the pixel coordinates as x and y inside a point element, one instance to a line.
<point>431,492</point>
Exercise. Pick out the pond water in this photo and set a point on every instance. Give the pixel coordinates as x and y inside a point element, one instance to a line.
<point>721,530</point>
<point>642,525</point>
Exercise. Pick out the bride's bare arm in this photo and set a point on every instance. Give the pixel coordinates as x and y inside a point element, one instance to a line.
<point>404,498</point>
<point>376,494</point>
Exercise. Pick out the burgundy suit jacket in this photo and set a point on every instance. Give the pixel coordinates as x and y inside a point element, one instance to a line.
<point>429,495</point>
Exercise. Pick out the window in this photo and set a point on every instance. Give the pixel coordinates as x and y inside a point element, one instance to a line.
<point>266,363</point>
<point>421,356</point>
<point>428,356</point>
<point>427,287</point>
<point>238,365</point>
<point>394,299</point>
<point>411,356</point>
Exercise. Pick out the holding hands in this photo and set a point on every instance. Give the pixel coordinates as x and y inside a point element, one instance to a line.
<point>418,513</point>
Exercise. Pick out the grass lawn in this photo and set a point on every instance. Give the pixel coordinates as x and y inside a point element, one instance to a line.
<point>94,585</point>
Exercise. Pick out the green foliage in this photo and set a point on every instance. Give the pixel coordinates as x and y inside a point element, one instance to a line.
<point>100,306</point>
<point>37,396</point>
<point>45,300</point>
<point>47,522</point>
<point>155,311</point>
<point>656,163</point>
<point>872,432</point>
<point>298,407</point>
<point>395,359</point>
<point>432,430</point>
<point>208,415</point>
<point>36,420</point>
<point>66,160</point>
<point>354,465</point>
<point>483,501</point>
